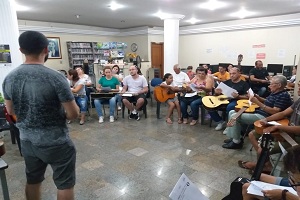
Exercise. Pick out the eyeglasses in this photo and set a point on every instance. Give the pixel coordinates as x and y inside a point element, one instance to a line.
<point>293,184</point>
<point>273,83</point>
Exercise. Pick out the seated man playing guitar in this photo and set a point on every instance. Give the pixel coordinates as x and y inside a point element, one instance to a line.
<point>278,100</point>
<point>292,128</point>
<point>173,103</point>
<point>136,85</point>
<point>240,86</point>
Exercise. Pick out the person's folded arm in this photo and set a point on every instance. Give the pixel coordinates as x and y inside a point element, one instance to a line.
<point>9,107</point>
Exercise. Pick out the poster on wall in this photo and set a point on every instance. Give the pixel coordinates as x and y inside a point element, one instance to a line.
<point>5,56</point>
<point>261,56</point>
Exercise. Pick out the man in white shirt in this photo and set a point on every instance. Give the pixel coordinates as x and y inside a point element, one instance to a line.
<point>179,77</point>
<point>136,85</point>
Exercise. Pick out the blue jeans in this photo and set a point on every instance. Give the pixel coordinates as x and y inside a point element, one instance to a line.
<point>112,106</point>
<point>82,103</point>
<point>215,115</point>
<point>194,103</point>
<point>119,99</point>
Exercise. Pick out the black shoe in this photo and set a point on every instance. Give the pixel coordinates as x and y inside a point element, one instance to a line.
<point>132,116</point>
<point>137,116</point>
<point>232,145</point>
<point>228,140</point>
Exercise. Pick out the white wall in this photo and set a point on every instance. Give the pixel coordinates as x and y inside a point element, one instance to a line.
<point>225,46</point>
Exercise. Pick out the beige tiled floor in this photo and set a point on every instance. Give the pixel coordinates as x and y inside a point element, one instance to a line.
<point>137,160</point>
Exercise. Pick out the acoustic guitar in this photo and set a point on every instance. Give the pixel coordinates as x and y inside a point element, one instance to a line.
<point>212,102</point>
<point>162,94</point>
<point>259,128</point>
<point>241,107</point>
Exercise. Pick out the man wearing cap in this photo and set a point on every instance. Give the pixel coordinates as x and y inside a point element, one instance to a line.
<point>42,101</point>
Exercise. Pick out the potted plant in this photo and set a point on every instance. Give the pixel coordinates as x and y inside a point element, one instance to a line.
<point>1,98</point>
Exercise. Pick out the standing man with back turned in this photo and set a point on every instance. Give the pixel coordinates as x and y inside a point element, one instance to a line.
<point>42,101</point>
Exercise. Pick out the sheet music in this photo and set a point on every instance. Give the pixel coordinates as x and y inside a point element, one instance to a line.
<point>257,186</point>
<point>190,94</point>
<point>186,190</point>
<point>251,95</point>
<point>126,94</point>
<point>226,90</point>
<point>193,87</point>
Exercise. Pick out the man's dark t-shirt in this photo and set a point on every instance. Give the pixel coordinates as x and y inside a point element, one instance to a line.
<point>37,93</point>
<point>241,87</point>
<point>259,74</point>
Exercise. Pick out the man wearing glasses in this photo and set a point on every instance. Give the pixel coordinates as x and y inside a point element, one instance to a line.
<point>291,163</point>
<point>277,101</point>
<point>137,86</point>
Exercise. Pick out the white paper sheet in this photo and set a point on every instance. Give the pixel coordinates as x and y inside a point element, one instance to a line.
<point>226,90</point>
<point>190,94</point>
<point>127,95</point>
<point>193,87</point>
<point>257,186</point>
<point>273,123</point>
<point>186,190</point>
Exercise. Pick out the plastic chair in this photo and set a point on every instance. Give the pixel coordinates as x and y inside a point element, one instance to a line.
<point>153,83</point>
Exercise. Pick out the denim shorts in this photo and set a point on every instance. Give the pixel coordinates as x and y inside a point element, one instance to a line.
<point>61,158</point>
<point>82,103</point>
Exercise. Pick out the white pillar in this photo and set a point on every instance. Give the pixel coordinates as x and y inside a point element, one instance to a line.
<point>9,34</point>
<point>171,41</point>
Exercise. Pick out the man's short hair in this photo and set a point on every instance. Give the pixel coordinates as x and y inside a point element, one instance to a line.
<point>281,79</point>
<point>32,42</point>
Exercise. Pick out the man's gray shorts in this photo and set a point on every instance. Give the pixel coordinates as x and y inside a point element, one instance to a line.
<point>61,158</point>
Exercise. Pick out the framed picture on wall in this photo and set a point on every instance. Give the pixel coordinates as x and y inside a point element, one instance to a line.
<point>54,51</point>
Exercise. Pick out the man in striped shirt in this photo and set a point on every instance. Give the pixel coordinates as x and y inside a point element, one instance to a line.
<point>277,101</point>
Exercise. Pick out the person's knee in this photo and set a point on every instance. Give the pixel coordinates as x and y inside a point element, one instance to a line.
<point>140,100</point>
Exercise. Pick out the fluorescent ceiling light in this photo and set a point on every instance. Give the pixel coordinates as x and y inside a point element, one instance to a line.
<point>115,6</point>
<point>213,5</point>
<point>20,7</point>
<point>242,13</point>
<point>193,20</point>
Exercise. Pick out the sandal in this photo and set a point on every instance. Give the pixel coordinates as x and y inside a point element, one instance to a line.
<point>243,164</point>
<point>185,121</point>
<point>179,121</point>
<point>81,122</point>
<point>169,121</point>
<point>193,122</point>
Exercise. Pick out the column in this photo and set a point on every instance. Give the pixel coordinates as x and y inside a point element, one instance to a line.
<point>171,41</point>
<point>9,34</point>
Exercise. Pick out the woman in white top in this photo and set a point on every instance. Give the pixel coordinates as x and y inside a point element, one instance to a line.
<point>78,90</point>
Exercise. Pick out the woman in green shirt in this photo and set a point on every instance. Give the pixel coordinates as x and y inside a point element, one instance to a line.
<point>107,81</point>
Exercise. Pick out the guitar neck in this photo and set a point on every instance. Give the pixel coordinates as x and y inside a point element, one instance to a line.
<point>238,114</point>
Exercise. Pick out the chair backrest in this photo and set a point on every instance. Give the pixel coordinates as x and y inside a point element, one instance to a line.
<point>156,81</point>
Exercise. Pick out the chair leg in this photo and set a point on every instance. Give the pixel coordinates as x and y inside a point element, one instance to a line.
<point>275,164</point>
<point>123,110</point>
<point>158,110</point>
<point>145,110</point>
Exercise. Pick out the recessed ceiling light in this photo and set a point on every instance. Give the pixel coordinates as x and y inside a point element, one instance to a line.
<point>193,20</point>
<point>163,15</point>
<point>242,13</point>
<point>20,7</point>
<point>115,6</point>
<point>77,16</point>
<point>213,5</point>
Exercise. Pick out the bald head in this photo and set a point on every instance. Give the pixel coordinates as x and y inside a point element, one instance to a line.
<point>176,68</point>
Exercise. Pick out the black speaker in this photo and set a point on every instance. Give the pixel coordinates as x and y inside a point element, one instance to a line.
<point>287,70</point>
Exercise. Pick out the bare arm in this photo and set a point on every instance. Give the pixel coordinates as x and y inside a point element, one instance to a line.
<point>270,110</point>
<point>125,87</point>
<point>280,115</point>
<point>144,90</point>
<point>9,107</point>
<point>252,78</point>
<point>72,110</point>
<point>77,88</point>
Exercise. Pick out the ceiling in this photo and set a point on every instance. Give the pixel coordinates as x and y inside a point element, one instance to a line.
<point>137,13</point>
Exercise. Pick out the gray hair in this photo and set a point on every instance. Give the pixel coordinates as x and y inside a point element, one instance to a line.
<point>177,66</point>
<point>280,79</point>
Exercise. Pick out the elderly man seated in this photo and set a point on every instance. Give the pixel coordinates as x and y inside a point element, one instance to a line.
<point>137,86</point>
<point>277,101</point>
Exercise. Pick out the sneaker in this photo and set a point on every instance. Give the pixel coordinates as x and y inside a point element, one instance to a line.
<point>111,119</point>
<point>225,131</point>
<point>69,121</point>
<point>220,126</point>
<point>132,116</point>
<point>119,108</point>
<point>137,116</point>
<point>101,119</point>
